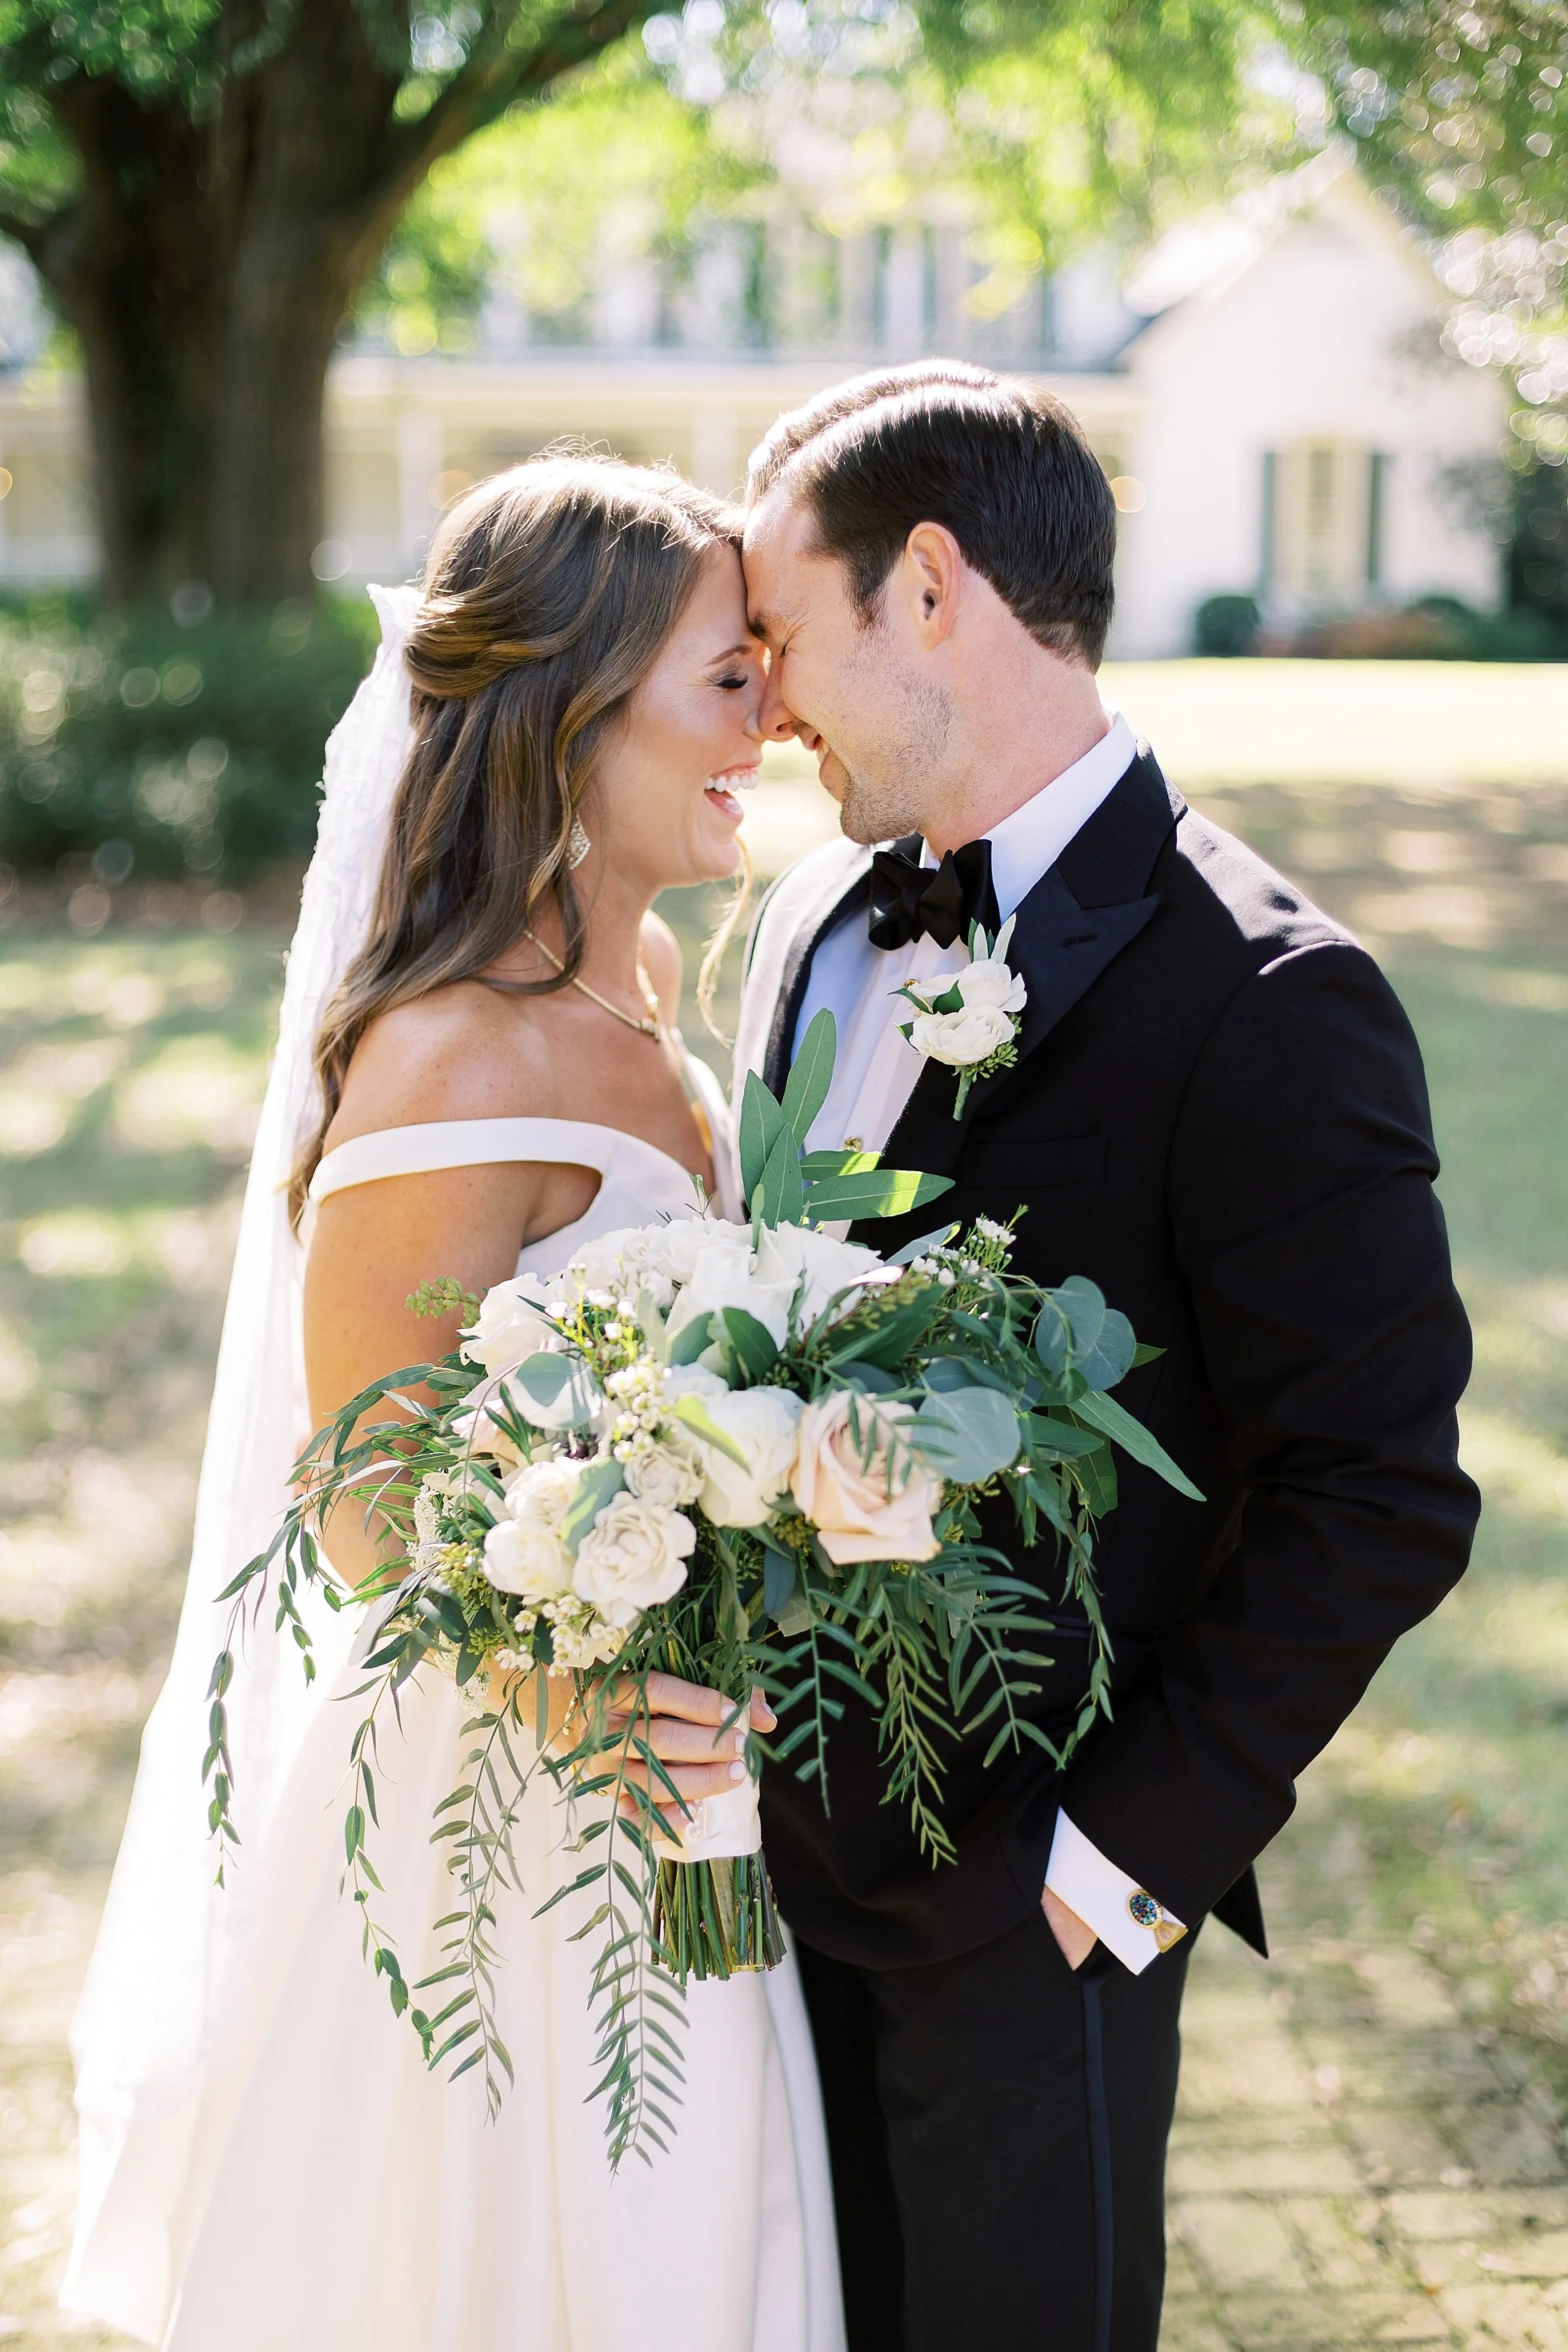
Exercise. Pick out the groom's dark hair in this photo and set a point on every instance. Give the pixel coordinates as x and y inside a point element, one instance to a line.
<point>1003,467</point>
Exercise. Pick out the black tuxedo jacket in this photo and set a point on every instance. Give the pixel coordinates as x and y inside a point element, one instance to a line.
<point>1219,1115</point>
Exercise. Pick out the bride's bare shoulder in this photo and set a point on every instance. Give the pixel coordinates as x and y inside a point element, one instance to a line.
<point>464,1052</point>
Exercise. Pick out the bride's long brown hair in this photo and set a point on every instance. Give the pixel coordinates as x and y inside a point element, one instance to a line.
<point>549,592</point>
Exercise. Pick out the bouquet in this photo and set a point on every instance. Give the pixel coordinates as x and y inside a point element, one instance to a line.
<point>751,1456</point>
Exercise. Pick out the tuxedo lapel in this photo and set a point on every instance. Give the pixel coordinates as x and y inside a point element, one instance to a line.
<point>837,895</point>
<point>1074,923</point>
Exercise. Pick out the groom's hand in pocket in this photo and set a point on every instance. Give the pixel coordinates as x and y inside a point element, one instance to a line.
<point>697,1736</point>
<point>1075,1939</point>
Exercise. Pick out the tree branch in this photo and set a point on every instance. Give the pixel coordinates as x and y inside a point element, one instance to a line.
<point>494,77</point>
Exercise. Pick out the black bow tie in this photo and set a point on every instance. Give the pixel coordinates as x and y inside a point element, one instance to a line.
<point>909,899</point>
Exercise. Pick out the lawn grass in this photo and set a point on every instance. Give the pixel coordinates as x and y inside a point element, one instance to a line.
<point>129,1066</point>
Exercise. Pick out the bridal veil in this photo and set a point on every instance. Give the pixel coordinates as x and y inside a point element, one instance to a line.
<point>154,2003</point>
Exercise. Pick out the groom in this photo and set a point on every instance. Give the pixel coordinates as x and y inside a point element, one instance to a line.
<point>1218,1115</point>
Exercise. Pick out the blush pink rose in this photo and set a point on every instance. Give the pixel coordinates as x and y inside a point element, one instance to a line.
<point>856,1481</point>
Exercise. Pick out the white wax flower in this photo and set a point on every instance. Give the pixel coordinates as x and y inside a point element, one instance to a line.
<point>510,1324</point>
<point>960,1039</point>
<point>762,1423</point>
<point>621,1263</point>
<point>632,1555</point>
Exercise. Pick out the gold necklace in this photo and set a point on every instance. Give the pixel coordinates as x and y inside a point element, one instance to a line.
<point>652,1027</point>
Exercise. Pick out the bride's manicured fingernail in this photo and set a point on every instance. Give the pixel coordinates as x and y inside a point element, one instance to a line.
<point>737,1771</point>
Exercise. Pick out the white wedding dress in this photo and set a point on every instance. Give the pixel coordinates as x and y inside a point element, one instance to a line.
<point>350,2199</point>
<point>267,2165</point>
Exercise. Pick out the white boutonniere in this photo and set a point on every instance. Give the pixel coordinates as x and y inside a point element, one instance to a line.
<point>970,1025</point>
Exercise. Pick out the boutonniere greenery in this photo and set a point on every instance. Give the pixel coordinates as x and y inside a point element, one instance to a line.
<point>972,1025</point>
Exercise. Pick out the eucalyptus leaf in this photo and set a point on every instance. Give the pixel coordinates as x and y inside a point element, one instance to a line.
<point>1059,1441</point>
<point>1103,1413</point>
<point>558,1391</point>
<point>880,1192</point>
<point>1111,1357</point>
<point>1083,1304</point>
<point>780,1197</point>
<point>967,1434</point>
<point>810,1074</point>
<point>690,1339</point>
<point>543,1377</point>
<point>691,1410</point>
<point>815,1165</point>
<point>780,1578</point>
<point>597,1484</point>
<point>938,1238</point>
<point>762,1125</point>
<point>755,1348</point>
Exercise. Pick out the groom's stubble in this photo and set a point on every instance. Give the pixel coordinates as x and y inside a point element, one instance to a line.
<point>895,747</point>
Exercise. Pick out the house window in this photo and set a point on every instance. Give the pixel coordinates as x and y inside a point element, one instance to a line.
<point>1322,503</point>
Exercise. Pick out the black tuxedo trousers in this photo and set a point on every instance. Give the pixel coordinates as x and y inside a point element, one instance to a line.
<point>997,2125</point>
<point>1218,1114</point>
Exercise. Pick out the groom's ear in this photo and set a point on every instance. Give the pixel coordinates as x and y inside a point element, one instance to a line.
<point>929,579</point>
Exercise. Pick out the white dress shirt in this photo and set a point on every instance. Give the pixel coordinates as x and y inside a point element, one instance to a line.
<point>873,1078</point>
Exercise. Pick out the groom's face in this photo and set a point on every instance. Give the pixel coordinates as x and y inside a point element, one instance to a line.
<point>860,695</point>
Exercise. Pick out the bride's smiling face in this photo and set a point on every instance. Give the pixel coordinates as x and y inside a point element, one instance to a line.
<point>664,795</point>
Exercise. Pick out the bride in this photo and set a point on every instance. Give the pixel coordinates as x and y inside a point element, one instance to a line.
<point>476,1072</point>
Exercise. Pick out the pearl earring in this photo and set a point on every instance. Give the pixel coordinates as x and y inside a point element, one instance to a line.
<point>577,844</point>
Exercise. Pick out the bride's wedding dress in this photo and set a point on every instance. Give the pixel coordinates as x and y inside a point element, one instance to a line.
<point>268,2166</point>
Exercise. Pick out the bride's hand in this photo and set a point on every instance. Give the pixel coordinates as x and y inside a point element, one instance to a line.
<point>698,1737</point>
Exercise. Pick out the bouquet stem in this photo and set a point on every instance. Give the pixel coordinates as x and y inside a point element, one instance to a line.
<point>715,1918</point>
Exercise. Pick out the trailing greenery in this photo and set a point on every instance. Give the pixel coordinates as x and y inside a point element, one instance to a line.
<point>558,1501</point>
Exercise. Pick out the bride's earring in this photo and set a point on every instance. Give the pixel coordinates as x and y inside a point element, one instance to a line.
<point>577,844</point>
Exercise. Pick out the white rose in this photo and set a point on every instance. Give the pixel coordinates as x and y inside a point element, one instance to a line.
<point>510,1324</point>
<point>786,1252</point>
<point>762,1423</point>
<point>960,1039</point>
<point>855,1478</point>
<point>724,1275</point>
<point>632,1555</point>
<point>678,1246</point>
<point>523,1552</point>
<point>543,1492</point>
<point>671,1475</point>
<point>693,1379</point>
<point>990,983</point>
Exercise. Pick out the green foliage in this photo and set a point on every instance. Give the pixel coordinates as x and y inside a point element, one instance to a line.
<point>1458,108</point>
<point>169,751</point>
<point>784,1184</point>
<point>1226,625</point>
<point>1078,121</point>
<point>610,159</point>
<point>1538,553</point>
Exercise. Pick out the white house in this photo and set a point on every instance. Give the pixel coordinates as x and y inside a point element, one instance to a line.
<point>1268,392</point>
<point>1302,435</point>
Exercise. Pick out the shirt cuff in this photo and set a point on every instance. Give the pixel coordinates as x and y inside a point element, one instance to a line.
<point>1128,1920</point>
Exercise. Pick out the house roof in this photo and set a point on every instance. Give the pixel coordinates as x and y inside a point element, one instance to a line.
<point>1199,260</point>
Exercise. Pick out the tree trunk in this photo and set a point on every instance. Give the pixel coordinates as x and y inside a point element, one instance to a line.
<point>138,273</point>
<point>207,267</point>
<point>208,270</point>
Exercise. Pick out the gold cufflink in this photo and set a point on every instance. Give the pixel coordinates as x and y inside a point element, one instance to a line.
<point>1145,1912</point>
